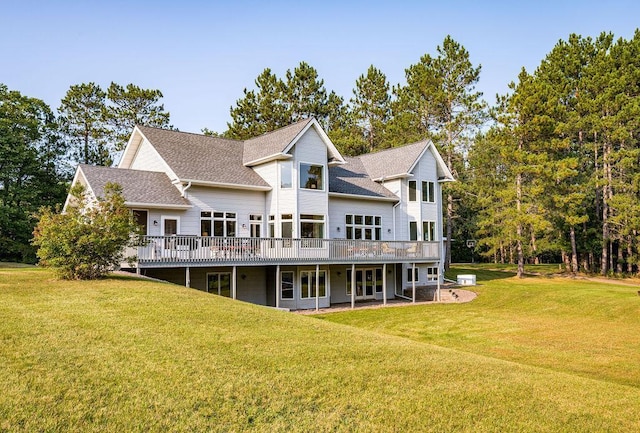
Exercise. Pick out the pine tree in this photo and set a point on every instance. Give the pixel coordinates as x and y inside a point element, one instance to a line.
<point>371,107</point>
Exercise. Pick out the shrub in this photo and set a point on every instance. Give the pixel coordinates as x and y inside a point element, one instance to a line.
<point>89,238</point>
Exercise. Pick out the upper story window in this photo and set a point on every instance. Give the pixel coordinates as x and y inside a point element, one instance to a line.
<point>286,176</point>
<point>311,176</point>
<point>429,230</point>
<point>224,224</point>
<point>312,226</point>
<point>363,227</point>
<point>413,185</point>
<point>428,192</point>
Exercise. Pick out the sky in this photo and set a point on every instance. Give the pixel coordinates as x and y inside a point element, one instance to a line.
<point>202,54</point>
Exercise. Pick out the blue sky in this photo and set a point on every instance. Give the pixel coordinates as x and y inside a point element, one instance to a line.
<point>202,54</point>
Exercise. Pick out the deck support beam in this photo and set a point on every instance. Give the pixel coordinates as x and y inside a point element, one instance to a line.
<point>438,289</point>
<point>234,283</point>
<point>353,285</point>
<point>317,287</point>
<point>413,282</point>
<point>277,286</point>
<point>187,277</point>
<point>384,284</point>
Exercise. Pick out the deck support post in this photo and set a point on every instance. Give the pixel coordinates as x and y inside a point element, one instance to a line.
<point>187,277</point>
<point>353,285</point>
<point>233,283</point>
<point>317,287</point>
<point>277,286</point>
<point>438,289</point>
<point>413,282</point>
<point>384,284</point>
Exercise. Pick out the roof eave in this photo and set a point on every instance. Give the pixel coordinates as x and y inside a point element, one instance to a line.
<point>393,177</point>
<point>226,185</point>
<point>157,205</point>
<point>274,157</point>
<point>363,197</point>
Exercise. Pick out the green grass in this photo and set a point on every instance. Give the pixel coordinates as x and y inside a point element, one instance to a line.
<point>128,355</point>
<point>575,326</point>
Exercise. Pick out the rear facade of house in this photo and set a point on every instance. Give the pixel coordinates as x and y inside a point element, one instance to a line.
<point>282,219</point>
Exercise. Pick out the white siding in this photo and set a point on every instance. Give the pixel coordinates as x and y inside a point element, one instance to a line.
<point>311,149</point>
<point>242,202</point>
<point>339,207</point>
<point>148,159</point>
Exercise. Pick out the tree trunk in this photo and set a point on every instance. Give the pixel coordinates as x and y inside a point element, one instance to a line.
<point>447,259</point>
<point>574,250</point>
<point>519,250</point>
<point>605,212</point>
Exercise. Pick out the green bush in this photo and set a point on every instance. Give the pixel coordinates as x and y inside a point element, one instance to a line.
<point>89,238</point>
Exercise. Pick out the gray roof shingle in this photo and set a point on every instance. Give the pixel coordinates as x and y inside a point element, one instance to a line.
<point>392,162</point>
<point>203,158</point>
<point>352,178</point>
<point>137,186</point>
<point>273,142</point>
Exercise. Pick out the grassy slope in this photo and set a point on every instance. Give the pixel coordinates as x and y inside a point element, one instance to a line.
<point>575,326</point>
<point>126,355</point>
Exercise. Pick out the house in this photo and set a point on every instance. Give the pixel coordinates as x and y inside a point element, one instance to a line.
<point>282,219</point>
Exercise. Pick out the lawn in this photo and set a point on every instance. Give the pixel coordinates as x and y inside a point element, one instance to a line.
<point>129,355</point>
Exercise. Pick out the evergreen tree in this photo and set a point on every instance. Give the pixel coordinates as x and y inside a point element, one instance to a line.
<point>31,170</point>
<point>371,107</point>
<point>82,118</point>
<point>133,106</point>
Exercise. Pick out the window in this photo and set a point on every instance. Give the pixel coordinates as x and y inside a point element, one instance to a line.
<point>255,224</point>
<point>311,176</point>
<point>286,285</point>
<point>432,274</point>
<point>286,177</point>
<point>141,217</point>
<point>412,275</point>
<point>272,226</point>
<point>224,224</point>
<point>413,231</point>
<point>219,284</point>
<point>363,227</point>
<point>312,226</point>
<point>286,222</point>
<point>412,190</point>
<point>429,230</point>
<point>428,192</point>
<point>308,284</point>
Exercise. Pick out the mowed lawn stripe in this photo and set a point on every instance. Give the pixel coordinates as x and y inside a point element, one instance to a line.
<point>129,355</point>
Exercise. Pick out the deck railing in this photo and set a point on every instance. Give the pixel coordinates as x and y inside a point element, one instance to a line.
<point>204,250</point>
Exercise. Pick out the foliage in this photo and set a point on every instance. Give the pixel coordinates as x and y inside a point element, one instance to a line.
<point>133,106</point>
<point>31,170</point>
<point>82,118</point>
<point>133,355</point>
<point>88,239</point>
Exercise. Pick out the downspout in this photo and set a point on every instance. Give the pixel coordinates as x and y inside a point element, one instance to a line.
<point>184,190</point>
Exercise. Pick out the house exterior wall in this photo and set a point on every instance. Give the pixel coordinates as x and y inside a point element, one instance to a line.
<point>340,206</point>
<point>148,159</point>
<point>339,282</point>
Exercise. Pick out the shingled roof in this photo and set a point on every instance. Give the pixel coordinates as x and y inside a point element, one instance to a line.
<point>393,162</point>
<point>352,178</point>
<point>202,158</point>
<point>272,143</point>
<point>138,186</point>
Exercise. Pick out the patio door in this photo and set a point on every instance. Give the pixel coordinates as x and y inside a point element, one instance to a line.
<point>368,282</point>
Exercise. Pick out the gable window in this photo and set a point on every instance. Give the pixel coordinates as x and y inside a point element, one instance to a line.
<point>286,177</point>
<point>413,231</point>
<point>312,226</point>
<point>286,285</point>
<point>308,284</point>
<point>429,230</point>
<point>428,192</point>
<point>311,176</point>
<point>363,227</point>
<point>413,185</point>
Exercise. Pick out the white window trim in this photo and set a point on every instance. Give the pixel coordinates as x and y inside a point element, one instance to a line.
<point>417,232</point>
<point>430,199</point>
<point>324,176</point>
<point>313,271</point>
<point>425,232</point>
<point>291,173</point>
<point>293,289</point>
<point>218,290</point>
<point>409,191</point>
<point>416,274</point>
<point>169,217</point>
<point>148,217</point>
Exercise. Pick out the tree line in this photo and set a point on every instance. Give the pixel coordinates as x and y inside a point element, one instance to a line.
<point>549,172</point>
